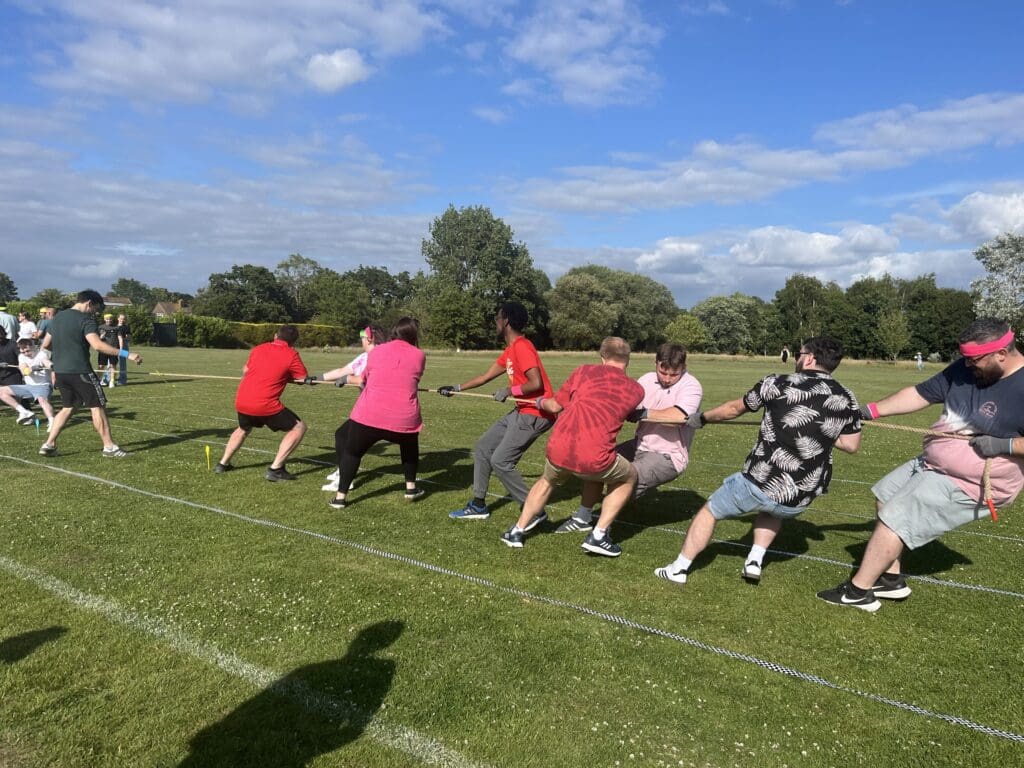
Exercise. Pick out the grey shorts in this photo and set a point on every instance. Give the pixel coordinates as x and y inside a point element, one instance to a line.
<point>31,390</point>
<point>652,469</point>
<point>738,496</point>
<point>919,504</point>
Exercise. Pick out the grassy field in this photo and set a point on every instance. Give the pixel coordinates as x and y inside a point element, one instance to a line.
<point>155,614</point>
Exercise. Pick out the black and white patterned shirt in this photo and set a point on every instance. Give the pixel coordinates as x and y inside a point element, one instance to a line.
<point>804,415</point>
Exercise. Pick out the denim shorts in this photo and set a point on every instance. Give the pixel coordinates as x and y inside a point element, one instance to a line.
<point>738,496</point>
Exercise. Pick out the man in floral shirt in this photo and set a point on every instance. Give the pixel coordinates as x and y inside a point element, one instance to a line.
<point>805,414</point>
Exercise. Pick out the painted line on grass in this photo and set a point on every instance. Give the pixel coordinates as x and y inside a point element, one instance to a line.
<point>398,737</point>
<point>611,618</point>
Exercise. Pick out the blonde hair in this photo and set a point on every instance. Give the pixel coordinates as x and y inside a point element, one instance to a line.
<point>615,348</point>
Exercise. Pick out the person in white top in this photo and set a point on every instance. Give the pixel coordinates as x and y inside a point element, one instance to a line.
<point>352,373</point>
<point>35,369</point>
<point>660,451</point>
<point>26,328</point>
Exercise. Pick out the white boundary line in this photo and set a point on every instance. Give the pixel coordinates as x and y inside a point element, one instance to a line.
<point>403,739</point>
<point>770,666</point>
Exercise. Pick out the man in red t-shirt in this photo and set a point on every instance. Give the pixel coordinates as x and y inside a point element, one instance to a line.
<point>502,446</point>
<point>258,401</point>
<point>593,404</point>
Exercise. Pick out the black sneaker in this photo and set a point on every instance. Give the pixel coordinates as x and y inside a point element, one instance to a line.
<point>539,518</point>
<point>220,469</point>
<point>891,586</point>
<point>415,494</point>
<point>276,475</point>
<point>605,546</point>
<point>337,503</point>
<point>513,538</point>
<point>843,595</point>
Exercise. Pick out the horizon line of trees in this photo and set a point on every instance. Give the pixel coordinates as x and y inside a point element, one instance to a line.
<point>474,264</point>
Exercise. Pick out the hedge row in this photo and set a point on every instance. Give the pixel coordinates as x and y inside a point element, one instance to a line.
<point>200,331</point>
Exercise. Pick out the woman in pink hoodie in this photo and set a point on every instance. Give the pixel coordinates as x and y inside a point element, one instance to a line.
<point>387,409</point>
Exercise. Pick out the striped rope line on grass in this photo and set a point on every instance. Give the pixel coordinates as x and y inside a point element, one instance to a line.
<point>398,737</point>
<point>611,618</point>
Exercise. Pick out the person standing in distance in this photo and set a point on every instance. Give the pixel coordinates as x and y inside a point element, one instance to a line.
<point>71,334</point>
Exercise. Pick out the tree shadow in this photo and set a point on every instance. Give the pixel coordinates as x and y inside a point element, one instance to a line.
<point>18,647</point>
<point>311,711</point>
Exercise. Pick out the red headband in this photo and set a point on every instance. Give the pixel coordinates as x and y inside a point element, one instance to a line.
<point>975,349</point>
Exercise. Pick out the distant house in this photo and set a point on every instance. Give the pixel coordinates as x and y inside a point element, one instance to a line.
<point>169,309</point>
<point>114,302</point>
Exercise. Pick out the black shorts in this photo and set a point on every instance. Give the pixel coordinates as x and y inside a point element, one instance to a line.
<point>103,358</point>
<point>80,389</point>
<point>282,421</point>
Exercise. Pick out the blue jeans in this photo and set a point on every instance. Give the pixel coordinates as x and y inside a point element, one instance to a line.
<point>738,496</point>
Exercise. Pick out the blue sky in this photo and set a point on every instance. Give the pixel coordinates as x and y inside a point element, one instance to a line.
<point>716,146</point>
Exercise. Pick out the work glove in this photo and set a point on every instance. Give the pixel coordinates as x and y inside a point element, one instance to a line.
<point>697,420</point>
<point>989,446</point>
<point>503,394</point>
<point>448,390</point>
<point>638,415</point>
<point>865,414</point>
<point>342,381</point>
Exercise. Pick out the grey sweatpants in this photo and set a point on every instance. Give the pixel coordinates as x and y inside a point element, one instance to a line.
<point>501,447</point>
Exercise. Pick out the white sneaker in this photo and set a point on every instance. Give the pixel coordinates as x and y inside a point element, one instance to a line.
<point>333,485</point>
<point>752,572</point>
<point>671,573</point>
<point>26,418</point>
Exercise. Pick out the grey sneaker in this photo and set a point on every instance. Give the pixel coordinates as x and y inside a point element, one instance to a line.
<point>605,546</point>
<point>891,586</point>
<point>114,452</point>
<point>574,524</point>
<point>539,518</point>
<point>276,475</point>
<point>48,449</point>
<point>513,538</point>
<point>220,469</point>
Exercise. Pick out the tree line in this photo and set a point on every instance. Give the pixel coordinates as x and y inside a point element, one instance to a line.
<point>474,264</point>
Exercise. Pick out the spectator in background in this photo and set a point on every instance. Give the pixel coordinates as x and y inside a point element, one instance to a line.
<point>26,328</point>
<point>124,335</point>
<point>45,316</point>
<point>107,362</point>
<point>9,323</point>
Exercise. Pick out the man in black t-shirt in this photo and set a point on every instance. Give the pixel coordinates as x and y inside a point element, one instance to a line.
<point>107,363</point>
<point>806,413</point>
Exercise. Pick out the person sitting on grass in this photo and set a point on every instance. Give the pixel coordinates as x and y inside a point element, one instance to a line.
<point>660,451</point>
<point>369,337</point>
<point>388,409</point>
<point>258,401</point>
<point>35,370</point>
<point>502,446</point>
<point>806,413</point>
<point>592,406</point>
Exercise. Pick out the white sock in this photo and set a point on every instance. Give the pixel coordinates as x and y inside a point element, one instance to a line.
<point>516,529</point>
<point>599,533</point>
<point>584,514</point>
<point>22,412</point>
<point>756,554</point>
<point>682,563</point>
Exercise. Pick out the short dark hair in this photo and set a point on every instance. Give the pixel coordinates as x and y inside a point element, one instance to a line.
<point>985,329</point>
<point>828,352</point>
<point>93,297</point>
<point>407,329</point>
<point>671,356</point>
<point>615,348</point>
<point>516,315</point>
<point>377,334</point>
<point>288,334</point>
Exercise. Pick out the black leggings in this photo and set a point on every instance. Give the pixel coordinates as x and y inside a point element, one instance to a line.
<point>352,440</point>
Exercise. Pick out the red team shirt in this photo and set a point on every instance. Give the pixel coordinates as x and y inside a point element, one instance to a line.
<point>269,368</point>
<point>597,399</point>
<point>519,357</point>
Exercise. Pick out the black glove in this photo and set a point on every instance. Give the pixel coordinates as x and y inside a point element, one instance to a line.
<point>448,390</point>
<point>865,414</point>
<point>342,381</point>
<point>697,421</point>
<point>638,415</point>
<point>311,380</point>
<point>503,394</point>
<point>989,446</point>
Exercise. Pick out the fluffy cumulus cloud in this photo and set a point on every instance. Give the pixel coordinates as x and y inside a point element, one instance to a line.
<point>591,52</point>
<point>491,115</point>
<point>983,215</point>
<point>798,250</point>
<point>332,72</point>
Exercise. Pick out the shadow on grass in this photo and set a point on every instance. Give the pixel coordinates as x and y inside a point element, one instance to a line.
<point>311,711</point>
<point>434,466</point>
<point>148,444</point>
<point>18,647</point>
<point>933,557</point>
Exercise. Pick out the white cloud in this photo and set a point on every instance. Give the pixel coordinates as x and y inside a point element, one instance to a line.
<point>707,8</point>
<point>103,269</point>
<point>338,70</point>
<point>671,254</point>
<point>983,216</point>
<point>490,115</point>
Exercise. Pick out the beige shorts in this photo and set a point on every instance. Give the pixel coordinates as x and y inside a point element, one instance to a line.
<point>620,471</point>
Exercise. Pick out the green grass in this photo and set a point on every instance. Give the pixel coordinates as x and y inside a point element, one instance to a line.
<point>137,630</point>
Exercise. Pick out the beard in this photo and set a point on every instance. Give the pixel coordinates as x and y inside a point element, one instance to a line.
<point>985,378</point>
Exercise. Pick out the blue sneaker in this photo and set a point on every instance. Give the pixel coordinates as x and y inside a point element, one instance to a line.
<point>471,512</point>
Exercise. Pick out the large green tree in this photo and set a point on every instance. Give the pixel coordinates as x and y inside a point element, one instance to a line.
<point>472,252</point>
<point>53,297</point>
<point>583,311</point>
<point>247,293</point>
<point>338,300</point>
<point>726,319</point>
<point>800,303</point>
<point>296,274</point>
<point>1000,293</point>
<point>688,331</point>
<point>936,316</point>
<point>8,290</point>
<point>893,333</point>
<point>140,293</point>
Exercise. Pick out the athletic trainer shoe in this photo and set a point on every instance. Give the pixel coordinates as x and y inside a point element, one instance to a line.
<point>332,485</point>
<point>48,449</point>
<point>513,538</point>
<point>26,420</point>
<point>605,546</point>
<point>415,494</point>
<point>575,524</point>
<point>891,586</point>
<point>276,475</point>
<point>539,518</point>
<point>752,572</point>
<point>114,452</point>
<point>843,595</point>
<point>220,469</point>
<point>471,512</point>
<point>337,503</point>
<point>672,573</point>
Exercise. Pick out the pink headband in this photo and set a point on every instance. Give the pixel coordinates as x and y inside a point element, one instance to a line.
<point>974,349</point>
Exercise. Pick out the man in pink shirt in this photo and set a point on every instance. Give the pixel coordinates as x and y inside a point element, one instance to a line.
<point>661,449</point>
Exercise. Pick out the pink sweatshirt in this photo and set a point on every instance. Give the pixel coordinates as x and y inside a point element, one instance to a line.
<point>389,399</point>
